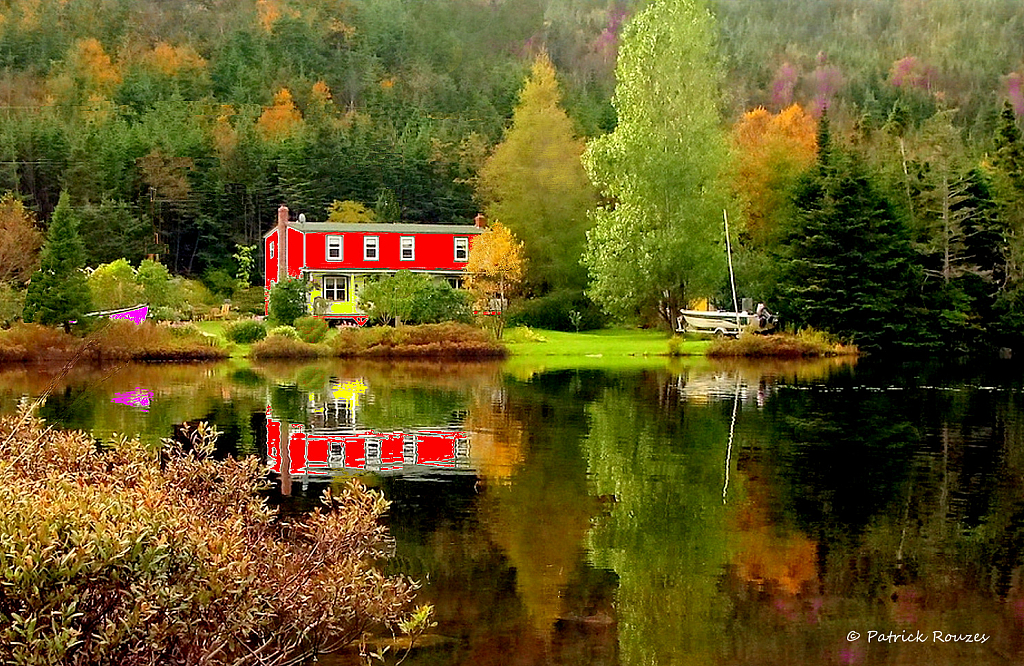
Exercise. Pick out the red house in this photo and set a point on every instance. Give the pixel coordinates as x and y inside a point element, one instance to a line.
<point>340,258</point>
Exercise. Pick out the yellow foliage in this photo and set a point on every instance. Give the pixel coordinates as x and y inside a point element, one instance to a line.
<point>772,150</point>
<point>321,92</point>
<point>280,120</point>
<point>496,263</point>
<point>349,212</point>
<point>225,138</point>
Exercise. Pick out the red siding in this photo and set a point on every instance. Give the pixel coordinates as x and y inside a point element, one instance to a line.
<point>271,270</point>
<point>432,252</point>
<point>297,453</point>
<point>436,449</point>
<point>274,444</point>
<point>294,252</point>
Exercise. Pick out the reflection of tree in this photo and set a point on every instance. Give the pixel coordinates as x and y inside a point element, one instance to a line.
<point>665,536</point>
<point>497,437</point>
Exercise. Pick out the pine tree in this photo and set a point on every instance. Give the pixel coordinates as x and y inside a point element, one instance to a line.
<point>59,293</point>
<point>846,262</point>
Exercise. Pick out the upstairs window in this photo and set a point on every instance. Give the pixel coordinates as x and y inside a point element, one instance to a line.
<point>408,244</point>
<point>334,251</point>
<point>272,243</point>
<point>462,249</point>
<point>370,248</point>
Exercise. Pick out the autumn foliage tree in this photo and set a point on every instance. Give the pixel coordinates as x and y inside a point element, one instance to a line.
<point>19,240</point>
<point>771,151</point>
<point>495,271</point>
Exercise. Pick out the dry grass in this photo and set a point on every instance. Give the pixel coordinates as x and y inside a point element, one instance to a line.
<point>284,346</point>
<point>116,340</point>
<point>448,340</point>
<point>782,345</point>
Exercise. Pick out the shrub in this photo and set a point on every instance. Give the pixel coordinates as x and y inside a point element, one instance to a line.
<point>554,312</point>
<point>249,301</point>
<point>437,340</point>
<point>11,303</point>
<point>284,332</point>
<point>246,331</point>
<point>156,282</point>
<point>219,281</point>
<point>182,562</point>
<point>437,302</point>
<point>311,329</point>
<point>114,285</point>
<point>280,346</point>
<point>288,301</point>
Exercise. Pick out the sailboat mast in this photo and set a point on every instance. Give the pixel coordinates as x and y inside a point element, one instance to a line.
<point>732,277</point>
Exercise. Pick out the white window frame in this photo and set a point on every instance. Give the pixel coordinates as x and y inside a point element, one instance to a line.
<point>464,247</point>
<point>272,244</point>
<point>339,239</point>
<point>337,280</point>
<point>411,242</point>
<point>367,245</point>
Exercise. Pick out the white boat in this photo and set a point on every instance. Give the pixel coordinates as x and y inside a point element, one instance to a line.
<point>723,323</point>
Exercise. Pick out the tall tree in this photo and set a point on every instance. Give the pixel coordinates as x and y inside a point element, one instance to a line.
<point>59,292</point>
<point>657,243</point>
<point>846,263</point>
<point>19,240</point>
<point>534,183</point>
<point>495,271</point>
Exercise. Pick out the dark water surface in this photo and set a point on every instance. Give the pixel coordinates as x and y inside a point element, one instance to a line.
<point>692,514</point>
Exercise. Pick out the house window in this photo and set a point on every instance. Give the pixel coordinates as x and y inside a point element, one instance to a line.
<point>370,244</point>
<point>336,288</point>
<point>271,249</point>
<point>462,249</point>
<point>454,282</point>
<point>408,248</point>
<point>334,248</point>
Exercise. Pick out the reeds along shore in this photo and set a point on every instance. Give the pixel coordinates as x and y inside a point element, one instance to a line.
<point>781,345</point>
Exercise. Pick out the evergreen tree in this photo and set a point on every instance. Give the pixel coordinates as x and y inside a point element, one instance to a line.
<point>846,262</point>
<point>59,293</point>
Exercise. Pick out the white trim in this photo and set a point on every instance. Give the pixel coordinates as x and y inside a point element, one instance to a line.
<point>412,248</point>
<point>272,248</point>
<point>376,248</point>
<point>465,249</point>
<point>340,247</point>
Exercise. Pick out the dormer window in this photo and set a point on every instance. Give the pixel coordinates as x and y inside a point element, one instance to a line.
<point>408,245</point>
<point>461,249</point>
<point>370,248</point>
<point>334,248</point>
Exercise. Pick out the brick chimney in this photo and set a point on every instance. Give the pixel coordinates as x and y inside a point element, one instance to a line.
<point>480,220</point>
<point>282,243</point>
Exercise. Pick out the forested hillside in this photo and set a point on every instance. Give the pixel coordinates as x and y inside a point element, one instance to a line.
<point>196,119</point>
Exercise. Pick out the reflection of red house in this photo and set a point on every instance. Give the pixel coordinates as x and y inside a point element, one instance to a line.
<point>316,453</point>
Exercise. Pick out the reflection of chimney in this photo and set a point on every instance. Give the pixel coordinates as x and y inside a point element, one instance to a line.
<point>282,243</point>
<point>480,221</point>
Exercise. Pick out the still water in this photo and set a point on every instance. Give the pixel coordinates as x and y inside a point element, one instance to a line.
<point>698,513</point>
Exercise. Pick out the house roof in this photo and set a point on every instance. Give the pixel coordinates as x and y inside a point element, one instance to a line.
<point>395,228</point>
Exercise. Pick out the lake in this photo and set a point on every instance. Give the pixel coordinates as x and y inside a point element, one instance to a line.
<point>692,512</point>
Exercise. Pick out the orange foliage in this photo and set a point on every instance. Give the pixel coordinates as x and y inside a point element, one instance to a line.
<point>772,150</point>
<point>93,64</point>
<point>171,60</point>
<point>19,240</point>
<point>765,553</point>
<point>268,11</point>
<point>498,440</point>
<point>321,92</point>
<point>281,119</point>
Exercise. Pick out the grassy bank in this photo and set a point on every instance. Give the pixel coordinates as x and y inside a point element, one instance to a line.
<point>116,340</point>
<point>597,344</point>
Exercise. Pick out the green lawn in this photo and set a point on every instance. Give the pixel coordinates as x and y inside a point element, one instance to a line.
<point>596,344</point>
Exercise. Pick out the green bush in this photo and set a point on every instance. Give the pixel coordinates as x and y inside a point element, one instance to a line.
<point>11,303</point>
<point>311,329</point>
<point>284,332</point>
<point>288,301</point>
<point>219,281</point>
<point>249,301</point>
<point>437,302</point>
<point>246,331</point>
<point>554,312</point>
